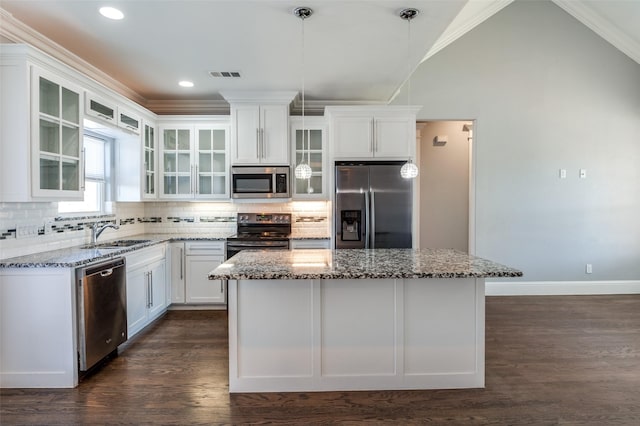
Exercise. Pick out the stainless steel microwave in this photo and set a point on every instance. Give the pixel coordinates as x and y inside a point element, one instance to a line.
<point>260,182</point>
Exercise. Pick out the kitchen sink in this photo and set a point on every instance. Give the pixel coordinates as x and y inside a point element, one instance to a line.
<point>115,244</point>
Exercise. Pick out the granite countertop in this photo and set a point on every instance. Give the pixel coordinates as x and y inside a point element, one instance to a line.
<point>78,255</point>
<point>358,264</point>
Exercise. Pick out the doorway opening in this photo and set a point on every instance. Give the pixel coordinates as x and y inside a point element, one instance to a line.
<point>445,202</point>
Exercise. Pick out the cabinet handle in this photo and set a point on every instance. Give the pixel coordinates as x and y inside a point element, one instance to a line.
<point>106,117</point>
<point>197,181</point>
<point>181,264</point>
<point>84,168</point>
<point>191,183</point>
<point>151,288</point>
<point>146,283</point>
<point>262,149</point>
<point>375,135</point>
<point>258,142</point>
<point>371,140</point>
<point>221,287</point>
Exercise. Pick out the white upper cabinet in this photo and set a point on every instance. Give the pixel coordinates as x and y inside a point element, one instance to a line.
<point>129,121</point>
<point>372,132</point>
<point>259,127</point>
<point>56,138</point>
<point>309,144</point>
<point>106,111</point>
<point>45,108</point>
<point>41,132</point>
<point>97,107</point>
<point>150,161</point>
<point>136,163</point>
<point>193,160</point>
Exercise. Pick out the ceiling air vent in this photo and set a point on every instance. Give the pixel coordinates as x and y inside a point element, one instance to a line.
<point>234,74</point>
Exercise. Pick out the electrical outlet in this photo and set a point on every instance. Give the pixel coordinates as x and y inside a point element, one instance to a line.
<point>583,173</point>
<point>588,269</point>
<point>563,173</point>
<point>24,231</point>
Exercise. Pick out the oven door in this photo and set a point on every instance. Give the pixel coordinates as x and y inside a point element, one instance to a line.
<point>235,247</point>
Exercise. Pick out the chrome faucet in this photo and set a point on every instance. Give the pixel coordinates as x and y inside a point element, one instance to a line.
<point>96,231</point>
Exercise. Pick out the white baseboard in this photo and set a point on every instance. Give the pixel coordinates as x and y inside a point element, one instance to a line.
<point>565,288</point>
<point>181,307</point>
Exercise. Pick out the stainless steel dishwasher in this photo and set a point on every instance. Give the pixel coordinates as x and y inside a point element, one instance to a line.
<point>102,310</point>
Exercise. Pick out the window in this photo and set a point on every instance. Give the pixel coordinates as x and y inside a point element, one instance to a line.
<point>97,160</point>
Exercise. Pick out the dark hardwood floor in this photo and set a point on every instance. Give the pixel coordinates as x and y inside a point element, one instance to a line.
<point>550,360</point>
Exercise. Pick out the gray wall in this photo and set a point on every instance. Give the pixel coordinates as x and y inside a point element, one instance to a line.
<point>547,93</point>
<point>444,186</point>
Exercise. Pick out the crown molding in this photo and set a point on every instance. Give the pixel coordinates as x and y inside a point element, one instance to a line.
<point>601,26</point>
<point>188,107</point>
<point>317,106</point>
<point>257,96</point>
<point>18,32</point>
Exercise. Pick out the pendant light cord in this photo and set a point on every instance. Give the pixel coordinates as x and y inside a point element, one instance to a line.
<point>303,169</point>
<point>303,68</point>
<point>409,170</point>
<point>408,63</point>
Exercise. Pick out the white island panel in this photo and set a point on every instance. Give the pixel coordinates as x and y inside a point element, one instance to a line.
<point>274,329</point>
<point>444,329</point>
<point>358,327</point>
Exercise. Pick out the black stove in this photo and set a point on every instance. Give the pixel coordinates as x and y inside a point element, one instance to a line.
<point>264,231</point>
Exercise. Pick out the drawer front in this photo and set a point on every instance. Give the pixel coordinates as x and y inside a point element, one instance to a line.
<point>310,244</point>
<point>145,256</point>
<point>205,248</point>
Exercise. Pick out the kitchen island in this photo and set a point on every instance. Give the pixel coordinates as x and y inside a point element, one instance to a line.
<point>323,320</point>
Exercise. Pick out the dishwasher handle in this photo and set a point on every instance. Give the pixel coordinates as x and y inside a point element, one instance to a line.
<point>103,269</point>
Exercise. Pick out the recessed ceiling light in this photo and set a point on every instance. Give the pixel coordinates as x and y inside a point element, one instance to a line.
<point>185,83</point>
<point>111,13</point>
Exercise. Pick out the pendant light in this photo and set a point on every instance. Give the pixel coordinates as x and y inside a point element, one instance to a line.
<point>409,170</point>
<point>303,170</point>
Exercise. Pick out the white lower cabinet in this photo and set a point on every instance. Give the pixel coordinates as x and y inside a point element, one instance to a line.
<point>38,347</point>
<point>200,288</point>
<point>191,263</point>
<point>146,287</point>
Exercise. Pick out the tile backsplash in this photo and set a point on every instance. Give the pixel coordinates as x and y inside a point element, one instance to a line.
<point>27,228</point>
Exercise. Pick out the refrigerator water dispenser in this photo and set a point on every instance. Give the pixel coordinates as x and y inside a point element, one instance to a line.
<point>351,220</point>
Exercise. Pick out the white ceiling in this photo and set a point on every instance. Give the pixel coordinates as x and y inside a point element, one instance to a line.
<point>355,50</point>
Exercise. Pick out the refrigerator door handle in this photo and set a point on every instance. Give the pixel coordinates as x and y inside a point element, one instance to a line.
<point>372,227</point>
<point>367,221</point>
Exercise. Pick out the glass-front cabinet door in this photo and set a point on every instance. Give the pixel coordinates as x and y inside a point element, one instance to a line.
<point>149,153</point>
<point>177,168</point>
<point>57,138</point>
<point>211,166</point>
<point>309,146</point>
<point>194,160</point>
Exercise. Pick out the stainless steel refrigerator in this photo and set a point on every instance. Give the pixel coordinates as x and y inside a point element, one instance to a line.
<point>372,206</point>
